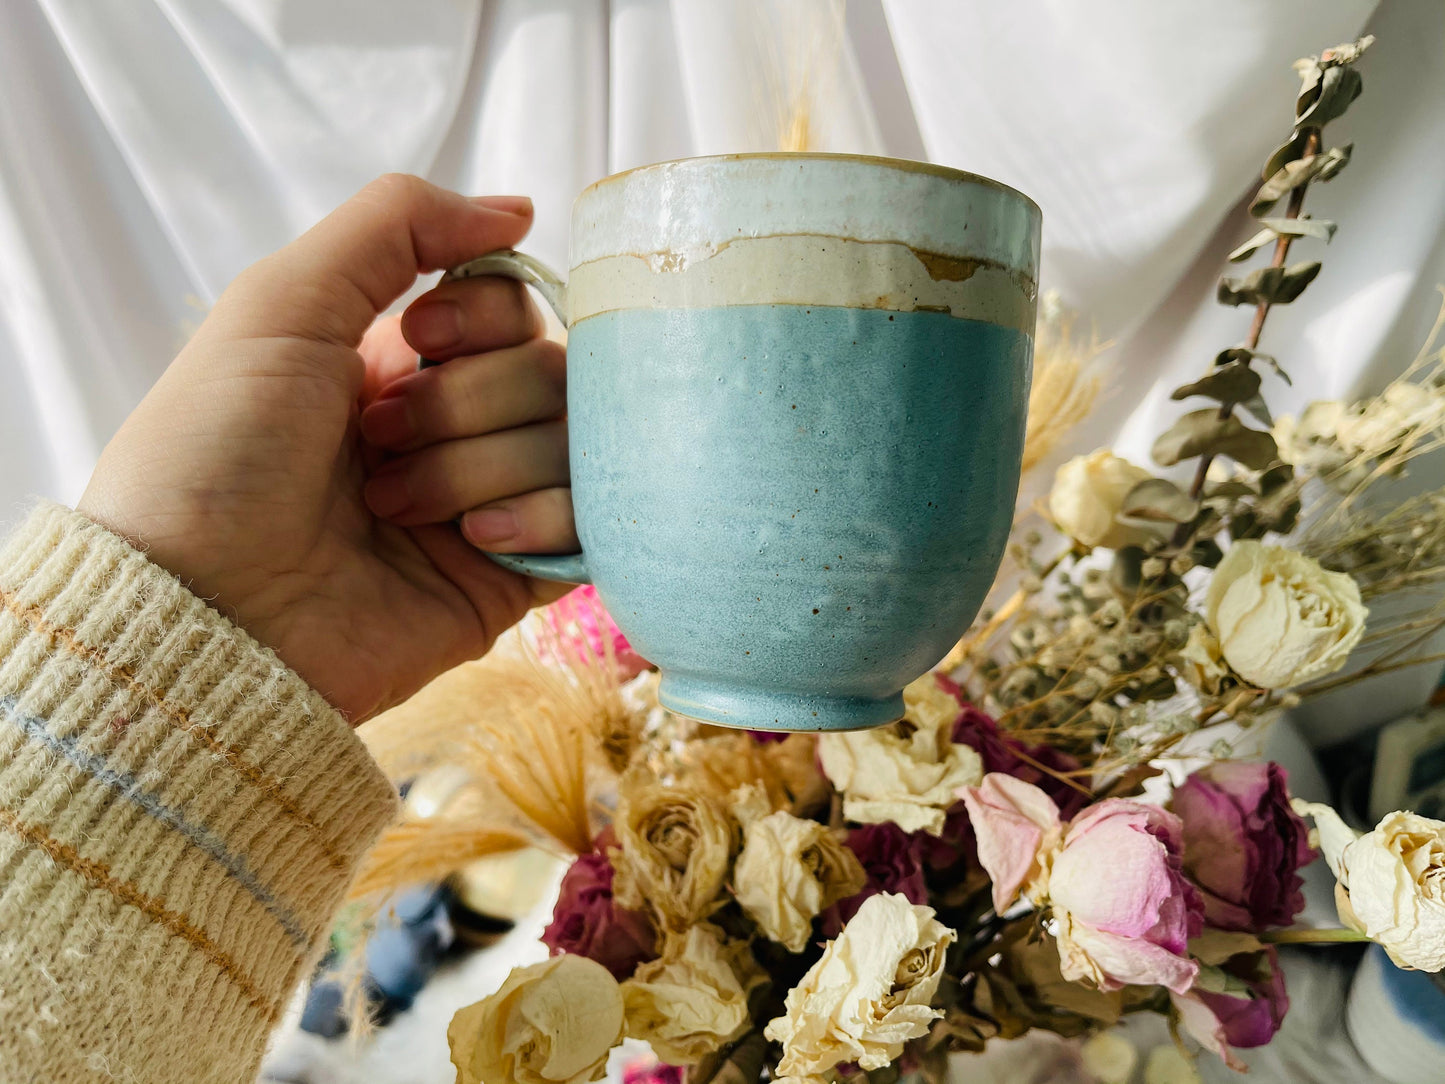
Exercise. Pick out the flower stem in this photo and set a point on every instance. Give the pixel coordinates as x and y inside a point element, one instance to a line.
<point>1311,937</point>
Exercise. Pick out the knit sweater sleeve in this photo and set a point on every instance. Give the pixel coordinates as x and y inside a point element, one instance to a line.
<point>180,816</point>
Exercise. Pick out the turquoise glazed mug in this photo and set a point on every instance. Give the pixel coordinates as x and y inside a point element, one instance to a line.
<point>796,391</point>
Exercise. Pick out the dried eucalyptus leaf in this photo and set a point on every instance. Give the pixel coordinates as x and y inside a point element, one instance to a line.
<point>1316,167</point>
<point>1269,285</point>
<point>1334,160</point>
<point>1257,409</point>
<point>1204,432</point>
<point>1240,353</point>
<point>1233,382</point>
<point>1291,150</point>
<point>1159,499</point>
<point>1127,571</point>
<point>1338,87</point>
<point>1304,226</point>
<point>1230,490</point>
<point>1253,245</point>
<point>1245,524</point>
<point>1206,553</point>
<point>1281,474</point>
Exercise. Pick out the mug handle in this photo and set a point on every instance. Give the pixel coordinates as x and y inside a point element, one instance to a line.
<point>508,263</point>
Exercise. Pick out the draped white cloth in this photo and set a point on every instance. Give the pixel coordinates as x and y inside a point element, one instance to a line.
<point>150,149</point>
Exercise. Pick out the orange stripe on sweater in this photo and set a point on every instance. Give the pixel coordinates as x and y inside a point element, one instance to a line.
<point>98,875</point>
<point>71,641</point>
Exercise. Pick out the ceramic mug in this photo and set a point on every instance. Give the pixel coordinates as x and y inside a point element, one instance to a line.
<point>796,394</point>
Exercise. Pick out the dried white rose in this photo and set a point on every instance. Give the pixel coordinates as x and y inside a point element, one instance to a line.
<point>1200,660</point>
<point>675,847</point>
<point>907,773</point>
<point>1390,882</point>
<point>869,994</point>
<point>551,1023</point>
<point>1282,619</point>
<point>789,870</point>
<point>693,999</point>
<point>1379,425</point>
<point>928,704</point>
<point>1312,440</point>
<point>1088,492</point>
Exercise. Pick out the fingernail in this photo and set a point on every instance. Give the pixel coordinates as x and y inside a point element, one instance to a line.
<point>512,205</point>
<point>387,494</point>
<point>489,525</point>
<point>433,326</point>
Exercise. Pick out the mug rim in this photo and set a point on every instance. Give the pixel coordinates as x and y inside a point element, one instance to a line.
<point>906,165</point>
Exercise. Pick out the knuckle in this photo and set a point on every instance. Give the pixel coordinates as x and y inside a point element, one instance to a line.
<point>396,190</point>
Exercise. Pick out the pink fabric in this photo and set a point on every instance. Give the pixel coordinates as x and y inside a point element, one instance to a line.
<point>588,633</point>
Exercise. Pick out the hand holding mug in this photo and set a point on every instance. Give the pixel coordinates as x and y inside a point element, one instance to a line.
<point>242,471</point>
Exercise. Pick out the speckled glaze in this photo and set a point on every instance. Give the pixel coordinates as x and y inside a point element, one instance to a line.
<point>797,388</point>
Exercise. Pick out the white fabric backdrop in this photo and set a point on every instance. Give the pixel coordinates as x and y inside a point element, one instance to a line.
<point>150,149</point>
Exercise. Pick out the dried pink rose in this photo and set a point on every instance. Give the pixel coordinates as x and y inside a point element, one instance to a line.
<point>1243,844</point>
<point>588,922</point>
<point>1126,911</point>
<point>588,633</point>
<point>892,863</point>
<point>1249,1018</point>
<point>955,844</point>
<point>1113,878</point>
<point>648,1070</point>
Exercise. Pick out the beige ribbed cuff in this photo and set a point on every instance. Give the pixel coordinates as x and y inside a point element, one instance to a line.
<point>180,815</point>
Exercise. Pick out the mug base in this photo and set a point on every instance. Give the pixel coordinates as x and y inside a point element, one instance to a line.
<point>747,708</point>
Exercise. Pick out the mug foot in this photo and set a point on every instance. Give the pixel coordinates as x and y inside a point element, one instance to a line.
<point>748,708</point>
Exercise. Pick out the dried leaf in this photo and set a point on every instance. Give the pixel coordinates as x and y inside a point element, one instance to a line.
<point>1159,499</point>
<point>1240,353</point>
<point>1257,408</point>
<point>1214,947</point>
<point>1337,88</point>
<point>1275,228</point>
<point>1317,167</point>
<point>738,1063</point>
<point>1269,285</point>
<point>1282,474</point>
<point>1233,382</point>
<point>1204,432</point>
<point>1126,573</point>
<point>1291,150</point>
<point>1230,490</point>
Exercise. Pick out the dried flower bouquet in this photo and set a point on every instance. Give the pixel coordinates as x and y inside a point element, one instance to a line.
<point>828,908</point>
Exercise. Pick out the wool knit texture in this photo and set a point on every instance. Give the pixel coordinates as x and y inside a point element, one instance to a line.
<point>180,816</point>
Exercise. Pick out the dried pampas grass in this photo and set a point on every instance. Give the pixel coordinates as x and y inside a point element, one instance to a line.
<point>529,734</point>
<point>1066,379</point>
<point>424,852</point>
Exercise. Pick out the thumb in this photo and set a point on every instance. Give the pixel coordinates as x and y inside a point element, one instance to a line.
<point>330,283</point>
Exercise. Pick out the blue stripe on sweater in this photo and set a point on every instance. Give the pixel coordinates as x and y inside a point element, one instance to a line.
<point>129,787</point>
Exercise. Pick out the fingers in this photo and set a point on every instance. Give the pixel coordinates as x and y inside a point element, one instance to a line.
<point>331,283</point>
<point>539,522</point>
<point>470,316</point>
<point>442,481</point>
<point>470,395</point>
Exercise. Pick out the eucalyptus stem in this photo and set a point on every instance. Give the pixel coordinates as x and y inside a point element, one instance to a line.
<point>1281,250</point>
<point>1343,935</point>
